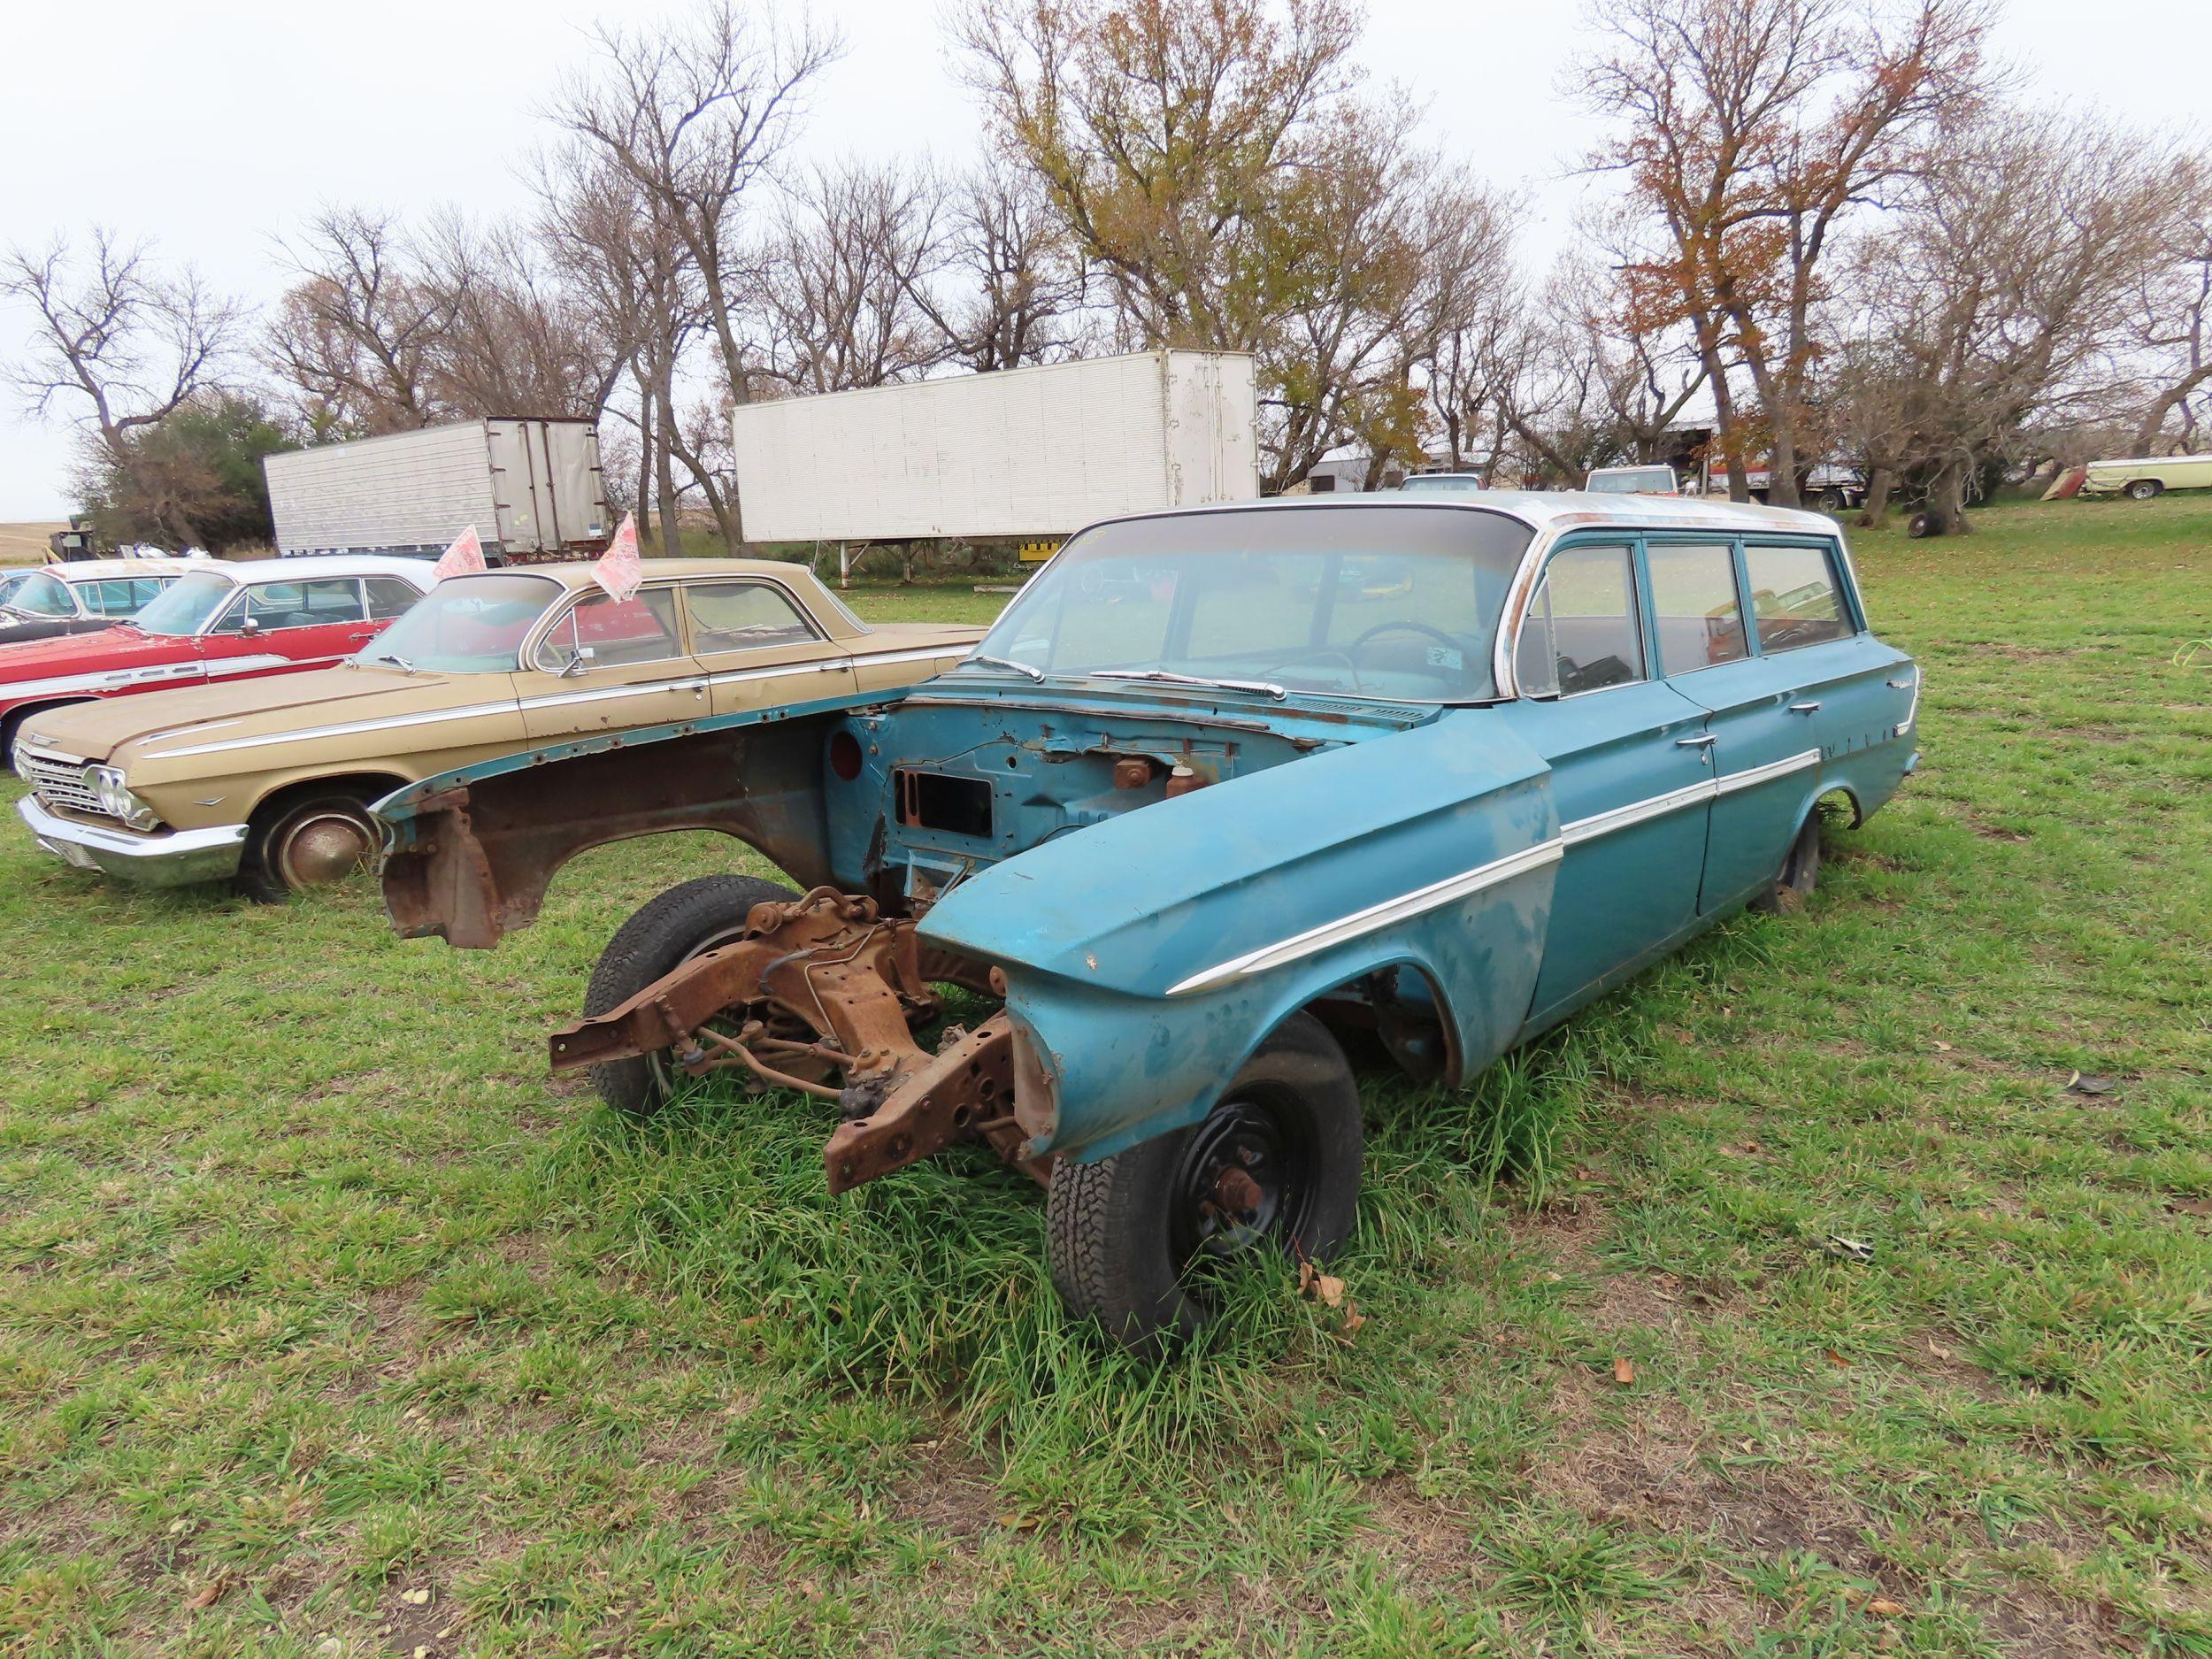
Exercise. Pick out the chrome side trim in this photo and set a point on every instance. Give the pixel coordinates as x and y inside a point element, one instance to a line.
<point>347,728</point>
<point>218,667</point>
<point>1728,783</point>
<point>1404,907</point>
<point>1635,812</point>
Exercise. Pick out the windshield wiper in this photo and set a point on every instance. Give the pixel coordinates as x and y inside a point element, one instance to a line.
<point>394,658</point>
<point>1004,662</point>
<point>1267,688</point>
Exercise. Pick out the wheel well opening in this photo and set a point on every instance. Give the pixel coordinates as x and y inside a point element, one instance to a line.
<point>363,786</point>
<point>1395,1011</point>
<point>12,723</point>
<point>1839,806</point>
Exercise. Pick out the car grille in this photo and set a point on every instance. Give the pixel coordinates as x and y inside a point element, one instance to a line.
<point>59,781</point>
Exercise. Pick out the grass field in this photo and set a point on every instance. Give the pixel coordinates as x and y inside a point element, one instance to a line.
<point>25,543</point>
<point>1809,1313</point>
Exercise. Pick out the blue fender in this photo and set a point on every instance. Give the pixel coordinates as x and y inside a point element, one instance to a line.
<point>1148,957</point>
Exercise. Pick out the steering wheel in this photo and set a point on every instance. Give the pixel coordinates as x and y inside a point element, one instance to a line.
<point>1409,626</point>
<point>1350,667</point>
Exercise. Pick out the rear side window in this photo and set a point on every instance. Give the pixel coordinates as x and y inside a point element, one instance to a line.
<point>1693,598</point>
<point>742,617</point>
<point>388,596</point>
<point>1580,633</point>
<point>1794,600</point>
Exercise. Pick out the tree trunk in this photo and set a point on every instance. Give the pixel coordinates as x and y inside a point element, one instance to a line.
<point>642,501</point>
<point>1947,502</point>
<point>672,540</point>
<point>1724,418</point>
<point>1875,507</point>
<point>1782,468</point>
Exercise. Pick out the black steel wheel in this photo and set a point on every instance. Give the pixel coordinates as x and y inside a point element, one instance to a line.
<point>688,920</point>
<point>1133,1237</point>
<point>1800,873</point>
<point>308,843</point>
<point>1921,525</point>
<point>2146,489</point>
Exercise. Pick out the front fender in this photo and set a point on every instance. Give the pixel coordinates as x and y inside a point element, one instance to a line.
<point>1148,957</point>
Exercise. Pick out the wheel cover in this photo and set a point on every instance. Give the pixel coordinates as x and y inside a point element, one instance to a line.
<point>326,845</point>
<point>1244,1181</point>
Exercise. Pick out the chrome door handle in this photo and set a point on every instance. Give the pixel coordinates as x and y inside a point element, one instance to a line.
<point>1803,708</point>
<point>1707,742</point>
<point>1899,685</point>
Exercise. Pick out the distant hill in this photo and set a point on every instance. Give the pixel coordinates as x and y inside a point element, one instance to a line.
<point>25,543</point>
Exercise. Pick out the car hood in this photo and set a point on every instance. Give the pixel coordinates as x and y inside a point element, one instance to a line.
<point>136,729</point>
<point>88,653</point>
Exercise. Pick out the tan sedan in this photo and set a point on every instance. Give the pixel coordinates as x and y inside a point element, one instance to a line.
<point>269,781</point>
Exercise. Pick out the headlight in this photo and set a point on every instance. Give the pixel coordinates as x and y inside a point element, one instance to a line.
<point>117,801</point>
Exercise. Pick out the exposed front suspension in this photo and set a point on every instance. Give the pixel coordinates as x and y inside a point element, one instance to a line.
<point>823,995</point>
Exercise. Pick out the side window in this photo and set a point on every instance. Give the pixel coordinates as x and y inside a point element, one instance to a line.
<point>1794,600</point>
<point>274,605</point>
<point>1581,632</point>
<point>388,596</point>
<point>43,595</point>
<point>107,599</point>
<point>1693,597</point>
<point>743,617</point>
<point>600,632</point>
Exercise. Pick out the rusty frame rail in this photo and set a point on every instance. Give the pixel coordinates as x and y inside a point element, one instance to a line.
<point>824,987</point>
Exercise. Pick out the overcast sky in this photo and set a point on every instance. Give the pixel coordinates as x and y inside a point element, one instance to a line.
<point>216,129</point>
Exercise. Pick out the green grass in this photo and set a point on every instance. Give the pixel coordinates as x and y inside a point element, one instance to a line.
<point>329,1325</point>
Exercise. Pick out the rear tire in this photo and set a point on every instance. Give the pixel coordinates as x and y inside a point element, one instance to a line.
<point>1799,874</point>
<point>687,921</point>
<point>1124,1232</point>
<point>2145,489</point>
<point>308,843</point>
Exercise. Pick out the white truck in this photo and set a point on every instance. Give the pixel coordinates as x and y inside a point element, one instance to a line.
<point>1021,454</point>
<point>532,487</point>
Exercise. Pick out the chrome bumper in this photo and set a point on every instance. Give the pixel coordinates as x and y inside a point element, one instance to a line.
<point>170,859</point>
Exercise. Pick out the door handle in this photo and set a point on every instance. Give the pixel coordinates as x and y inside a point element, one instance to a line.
<point>1899,685</point>
<point>1803,708</point>
<point>1707,742</point>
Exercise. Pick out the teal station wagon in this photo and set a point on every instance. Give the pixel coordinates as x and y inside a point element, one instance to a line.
<point>1219,790</point>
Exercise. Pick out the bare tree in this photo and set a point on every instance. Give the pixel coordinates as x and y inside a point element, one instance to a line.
<point>2002,292</point>
<point>695,117</point>
<point>522,340</point>
<point>357,335</point>
<point>1019,288</point>
<point>129,342</point>
<point>842,284</point>
<point>1749,130</point>
<point>2173,322</point>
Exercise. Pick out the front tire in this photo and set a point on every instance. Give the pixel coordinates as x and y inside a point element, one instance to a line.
<point>1278,1159</point>
<point>308,843</point>
<point>2145,489</point>
<point>688,920</point>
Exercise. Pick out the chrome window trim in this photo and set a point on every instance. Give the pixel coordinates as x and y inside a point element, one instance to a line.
<point>1598,538</point>
<point>685,586</point>
<point>526,654</point>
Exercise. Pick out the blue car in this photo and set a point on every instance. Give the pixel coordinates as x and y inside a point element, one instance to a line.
<point>1220,788</point>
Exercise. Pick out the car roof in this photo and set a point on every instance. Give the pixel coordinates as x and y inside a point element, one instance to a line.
<point>1550,509</point>
<point>98,570</point>
<point>578,573</point>
<point>308,566</point>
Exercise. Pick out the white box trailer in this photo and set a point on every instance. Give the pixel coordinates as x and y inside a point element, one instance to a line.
<point>1031,452</point>
<point>532,487</point>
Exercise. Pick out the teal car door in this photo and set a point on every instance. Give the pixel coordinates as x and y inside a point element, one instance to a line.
<point>1762,734</point>
<point>1629,772</point>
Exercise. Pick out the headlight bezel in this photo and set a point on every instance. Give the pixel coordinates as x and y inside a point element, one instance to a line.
<point>113,792</point>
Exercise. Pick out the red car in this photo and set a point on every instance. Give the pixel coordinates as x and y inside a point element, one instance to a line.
<point>220,621</point>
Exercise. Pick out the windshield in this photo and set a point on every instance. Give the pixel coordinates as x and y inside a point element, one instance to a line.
<point>187,605</point>
<point>35,593</point>
<point>1634,481</point>
<point>1398,602</point>
<point>466,625</point>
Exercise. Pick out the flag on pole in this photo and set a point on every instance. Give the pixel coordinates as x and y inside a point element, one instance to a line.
<point>465,558</point>
<point>618,570</point>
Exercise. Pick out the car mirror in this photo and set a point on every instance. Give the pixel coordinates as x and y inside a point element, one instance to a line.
<point>248,626</point>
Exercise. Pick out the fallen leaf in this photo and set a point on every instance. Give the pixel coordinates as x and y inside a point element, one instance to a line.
<point>1326,1288</point>
<point>2190,1206</point>
<point>1943,1048</point>
<point>422,1653</point>
<point>1849,1249</point>
<point>1751,1146</point>
<point>207,1595</point>
<point>2088,1083</point>
<point>1624,1370</point>
<point>415,1598</point>
<point>1838,1360</point>
<point>1938,1351</point>
<point>1353,1319</point>
<point>1882,1607</point>
<point>178,1526</point>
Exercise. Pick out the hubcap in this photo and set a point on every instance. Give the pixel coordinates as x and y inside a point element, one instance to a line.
<point>1242,1182</point>
<point>326,847</point>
